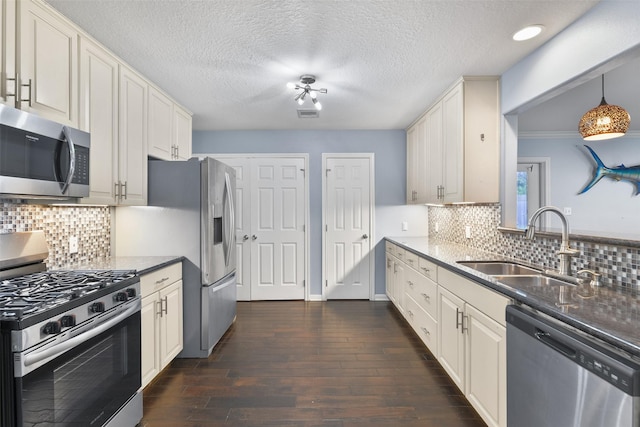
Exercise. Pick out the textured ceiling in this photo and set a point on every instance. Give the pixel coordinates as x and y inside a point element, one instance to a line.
<point>382,61</point>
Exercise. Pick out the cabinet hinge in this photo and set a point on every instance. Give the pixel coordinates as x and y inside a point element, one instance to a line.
<point>326,227</point>
<point>327,172</point>
<point>304,283</point>
<point>304,227</point>
<point>303,171</point>
<point>326,283</point>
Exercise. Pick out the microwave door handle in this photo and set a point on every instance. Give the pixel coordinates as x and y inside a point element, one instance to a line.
<point>72,159</point>
<point>229,231</point>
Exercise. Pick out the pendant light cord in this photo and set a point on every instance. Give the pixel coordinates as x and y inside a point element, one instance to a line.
<point>603,102</point>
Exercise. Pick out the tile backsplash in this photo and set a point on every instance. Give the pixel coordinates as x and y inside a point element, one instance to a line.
<point>90,224</point>
<point>618,264</point>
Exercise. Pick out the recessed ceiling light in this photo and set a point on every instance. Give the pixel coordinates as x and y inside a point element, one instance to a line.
<point>528,32</point>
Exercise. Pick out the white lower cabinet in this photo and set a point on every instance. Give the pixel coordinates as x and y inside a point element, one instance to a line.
<point>472,343</point>
<point>460,321</point>
<point>161,319</point>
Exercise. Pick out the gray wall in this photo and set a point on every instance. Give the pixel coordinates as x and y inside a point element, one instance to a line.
<point>389,149</point>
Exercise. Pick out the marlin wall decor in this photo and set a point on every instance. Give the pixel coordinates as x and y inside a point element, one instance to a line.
<point>618,173</point>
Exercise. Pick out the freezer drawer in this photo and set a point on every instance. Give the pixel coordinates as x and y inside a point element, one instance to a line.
<point>218,310</point>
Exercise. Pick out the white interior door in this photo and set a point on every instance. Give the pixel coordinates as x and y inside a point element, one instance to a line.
<point>271,212</point>
<point>348,201</point>
<point>277,228</point>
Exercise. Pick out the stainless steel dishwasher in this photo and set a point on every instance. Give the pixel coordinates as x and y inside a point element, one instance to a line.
<point>558,377</point>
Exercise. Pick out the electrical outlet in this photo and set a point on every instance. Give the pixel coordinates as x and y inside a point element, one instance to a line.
<point>437,227</point>
<point>73,245</point>
<point>467,231</point>
<point>405,225</point>
<point>566,211</point>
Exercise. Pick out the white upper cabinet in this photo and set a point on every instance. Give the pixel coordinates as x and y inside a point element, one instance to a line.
<point>160,125</point>
<point>132,144</point>
<point>8,52</point>
<point>182,125</point>
<point>461,159</point>
<point>99,116</point>
<point>169,128</point>
<point>47,64</point>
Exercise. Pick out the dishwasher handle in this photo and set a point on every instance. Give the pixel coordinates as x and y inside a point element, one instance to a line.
<point>546,338</point>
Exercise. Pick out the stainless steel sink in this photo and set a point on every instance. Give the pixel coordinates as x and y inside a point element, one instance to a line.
<point>499,268</point>
<point>530,280</point>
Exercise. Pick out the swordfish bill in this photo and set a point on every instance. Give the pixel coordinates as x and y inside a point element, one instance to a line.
<point>619,173</point>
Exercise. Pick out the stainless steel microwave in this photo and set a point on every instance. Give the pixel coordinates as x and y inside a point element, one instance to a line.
<point>40,158</point>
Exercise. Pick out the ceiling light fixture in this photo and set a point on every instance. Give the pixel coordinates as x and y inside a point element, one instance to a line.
<point>306,80</point>
<point>604,122</point>
<point>528,32</point>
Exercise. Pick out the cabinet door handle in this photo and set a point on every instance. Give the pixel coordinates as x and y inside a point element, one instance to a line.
<point>28,85</point>
<point>124,185</point>
<point>7,93</point>
<point>166,305</point>
<point>159,308</point>
<point>459,315</point>
<point>425,331</point>
<point>426,297</point>
<point>464,328</point>
<point>410,283</point>
<point>117,191</point>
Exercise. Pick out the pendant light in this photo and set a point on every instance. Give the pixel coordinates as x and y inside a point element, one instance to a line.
<point>604,122</point>
<point>306,80</point>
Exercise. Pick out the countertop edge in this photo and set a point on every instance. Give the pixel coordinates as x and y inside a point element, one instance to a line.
<point>520,297</point>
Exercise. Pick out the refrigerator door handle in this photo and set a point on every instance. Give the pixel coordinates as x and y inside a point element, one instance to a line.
<point>231,223</point>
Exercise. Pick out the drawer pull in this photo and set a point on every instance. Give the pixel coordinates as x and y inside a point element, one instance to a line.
<point>410,260</point>
<point>410,313</point>
<point>425,331</point>
<point>164,279</point>
<point>426,297</point>
<point>426,270</point>
<point>410,283</point>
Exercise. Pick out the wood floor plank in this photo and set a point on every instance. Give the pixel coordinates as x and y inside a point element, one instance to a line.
<point>310,364</point>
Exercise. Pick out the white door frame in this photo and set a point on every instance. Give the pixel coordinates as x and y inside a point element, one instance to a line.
<point>305,156</point>
<point>372,202</point>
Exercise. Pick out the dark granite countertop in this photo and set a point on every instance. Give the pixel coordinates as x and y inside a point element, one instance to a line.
<point>611,314</point>
<point>142,264</point>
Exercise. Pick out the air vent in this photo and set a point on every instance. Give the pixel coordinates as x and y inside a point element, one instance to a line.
<point>308,114</point>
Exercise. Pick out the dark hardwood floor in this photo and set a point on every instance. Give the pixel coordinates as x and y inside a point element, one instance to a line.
<point>295,363</point>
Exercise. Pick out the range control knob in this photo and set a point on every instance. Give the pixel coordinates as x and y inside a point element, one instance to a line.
<point>96,307</point>
<point>51,328</point>
<point>131,292</point>
<point>68,321</point>
<point>121,296</point>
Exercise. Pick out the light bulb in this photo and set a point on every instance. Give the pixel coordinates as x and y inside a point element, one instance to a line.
<point>313,95</point>
<point>291,85</point>
<point>316,104</point>
<point>301,99</point>
<point>527,33</point>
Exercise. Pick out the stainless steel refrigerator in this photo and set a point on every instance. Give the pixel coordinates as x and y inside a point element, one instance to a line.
<point>191,213</point>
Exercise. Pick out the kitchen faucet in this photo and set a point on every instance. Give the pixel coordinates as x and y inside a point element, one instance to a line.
<point>565,252</point>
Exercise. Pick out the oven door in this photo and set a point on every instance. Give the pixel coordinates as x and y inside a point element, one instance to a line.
<point>87,384</point>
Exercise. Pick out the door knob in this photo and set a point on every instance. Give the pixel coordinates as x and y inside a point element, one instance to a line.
<point>254,237</point>
<point>364,236</point>
<point>245,238</point>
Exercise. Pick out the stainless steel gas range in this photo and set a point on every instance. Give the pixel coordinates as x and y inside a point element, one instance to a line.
<point>70,341</point>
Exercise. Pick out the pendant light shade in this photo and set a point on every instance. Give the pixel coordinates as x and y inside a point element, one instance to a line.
<point>604,122</point>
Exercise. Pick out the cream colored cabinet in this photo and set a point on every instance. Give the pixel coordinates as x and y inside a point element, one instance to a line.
<point>421,307</point>
<point>417,172</point>
<point>161,319</point>
<point>99,76</point>
<point>47,70</point>
<point>131,186</point>
<point>395,281</point>
<point>472,343</point>
<point>160,125</point>
<point>8,52</point>
<point>169,128</point>
<point>182,131</point>
<point>462,144</point>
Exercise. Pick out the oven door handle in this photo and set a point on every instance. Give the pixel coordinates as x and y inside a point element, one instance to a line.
<point>44,356</point>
